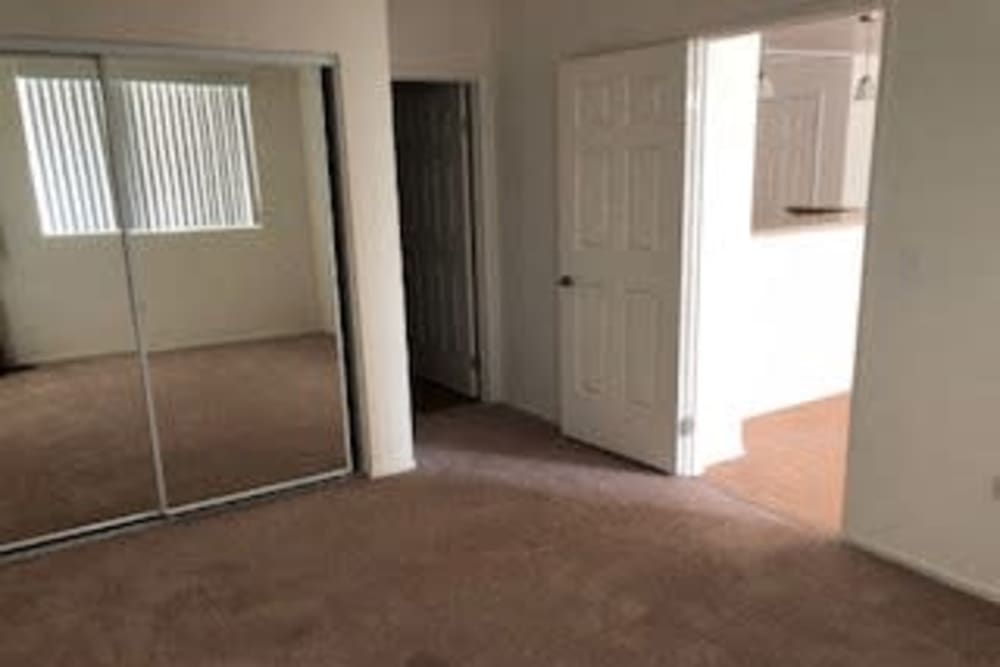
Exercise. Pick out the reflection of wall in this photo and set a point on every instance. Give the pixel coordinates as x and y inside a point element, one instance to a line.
<point>62,298</point>
<point>320,196</point>
<point>66,298</point>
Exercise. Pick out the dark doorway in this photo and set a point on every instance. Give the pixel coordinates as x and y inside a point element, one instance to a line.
<point>434,152</point>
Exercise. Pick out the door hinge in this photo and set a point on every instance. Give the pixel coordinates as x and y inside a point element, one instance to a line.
<point>686,427</point>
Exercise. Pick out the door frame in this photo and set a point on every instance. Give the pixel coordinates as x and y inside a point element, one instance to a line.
<point>686,443</point>
<point>485,223</point>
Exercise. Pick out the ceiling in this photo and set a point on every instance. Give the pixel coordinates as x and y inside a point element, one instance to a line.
<point>842,34</point>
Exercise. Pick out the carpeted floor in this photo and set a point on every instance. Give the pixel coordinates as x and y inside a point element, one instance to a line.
<point>74,439</point>
<point>795,463</point>
<point>508,547</point>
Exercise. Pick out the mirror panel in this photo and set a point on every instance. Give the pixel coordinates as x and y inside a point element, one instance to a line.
<point>224,168</point>
<point>75,442</point>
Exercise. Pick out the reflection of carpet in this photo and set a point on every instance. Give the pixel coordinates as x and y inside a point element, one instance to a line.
<point>74,444</point>
<point>795,463</point>
<point>507,548</point>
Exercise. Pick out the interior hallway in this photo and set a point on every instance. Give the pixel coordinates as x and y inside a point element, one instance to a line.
<point>795,463</point>
<point>508,547</point>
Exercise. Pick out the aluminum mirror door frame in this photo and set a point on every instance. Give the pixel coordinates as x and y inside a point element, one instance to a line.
<point>80,117</point>
<point>321,202</point>
<point>330,154</point>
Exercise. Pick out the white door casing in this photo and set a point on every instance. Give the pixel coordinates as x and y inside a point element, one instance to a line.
<point>622,128</point>
<point>435,171</point>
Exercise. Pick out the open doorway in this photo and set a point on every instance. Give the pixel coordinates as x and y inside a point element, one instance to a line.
<point>782,172</point>
<point>435,162</point>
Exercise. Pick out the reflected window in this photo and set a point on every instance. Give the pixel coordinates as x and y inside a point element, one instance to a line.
<point>190,160</point>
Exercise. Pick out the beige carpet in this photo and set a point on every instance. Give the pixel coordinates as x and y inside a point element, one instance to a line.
<point>74,440</point>
<point>507,548</point>
<point>795,463</point>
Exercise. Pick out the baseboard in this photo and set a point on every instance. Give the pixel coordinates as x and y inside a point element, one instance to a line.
<point>923,567</point>
<point>532,411</point>
<point>392,469</point>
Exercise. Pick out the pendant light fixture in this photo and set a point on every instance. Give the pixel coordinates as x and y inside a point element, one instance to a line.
<point>765,87</point>
<point>867,89</point>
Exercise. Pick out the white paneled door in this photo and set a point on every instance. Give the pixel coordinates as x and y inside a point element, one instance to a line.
<point>622,124</point>
<point>435,181</point>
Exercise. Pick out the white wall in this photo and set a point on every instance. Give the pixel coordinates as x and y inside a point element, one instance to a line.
<point>924,439</point>
<point>729,101</point>
<point>801,294</point>
<point>442,35</point>
<point>355,30</point>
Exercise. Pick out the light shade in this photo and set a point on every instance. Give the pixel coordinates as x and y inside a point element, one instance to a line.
<point>766,88</point>
<point>867,90</point>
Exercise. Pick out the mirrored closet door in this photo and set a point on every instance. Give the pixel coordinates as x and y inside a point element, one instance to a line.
<point>74,433</point>
<point>231,252</point>
<point>170,329</point>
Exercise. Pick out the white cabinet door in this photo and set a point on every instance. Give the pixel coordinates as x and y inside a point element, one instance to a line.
<point>622,125</point>
<point>801,138</point>
<point>787,159</point>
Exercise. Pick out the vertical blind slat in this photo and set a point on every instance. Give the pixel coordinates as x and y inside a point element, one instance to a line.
<point>221,150</point>
<point>26,99</point>
<point>52,157</point>
<point>189,151</point>
<point>94,104</point>
<point>91,192</point>
<point>186,161</point>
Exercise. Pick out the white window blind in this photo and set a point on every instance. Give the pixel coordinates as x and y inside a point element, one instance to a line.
<point>190,155</point>
<point>188,148</point>
<point>63,121</point>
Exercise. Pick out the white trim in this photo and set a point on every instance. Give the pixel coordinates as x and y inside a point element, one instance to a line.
<point>258,492</point>
<point>686,459</point>
<point>872,222</point>
<point>785,17</point>
<point>488,250</point>
<point>106,530</point>
<point>120,212</point>
<point>805,53</point>
<point>942,575</point>
<point>30,45</point>
<point>22,548</point>
<point>391,468</point>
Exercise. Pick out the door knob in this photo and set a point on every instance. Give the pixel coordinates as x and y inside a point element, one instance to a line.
<point>566,281</point>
